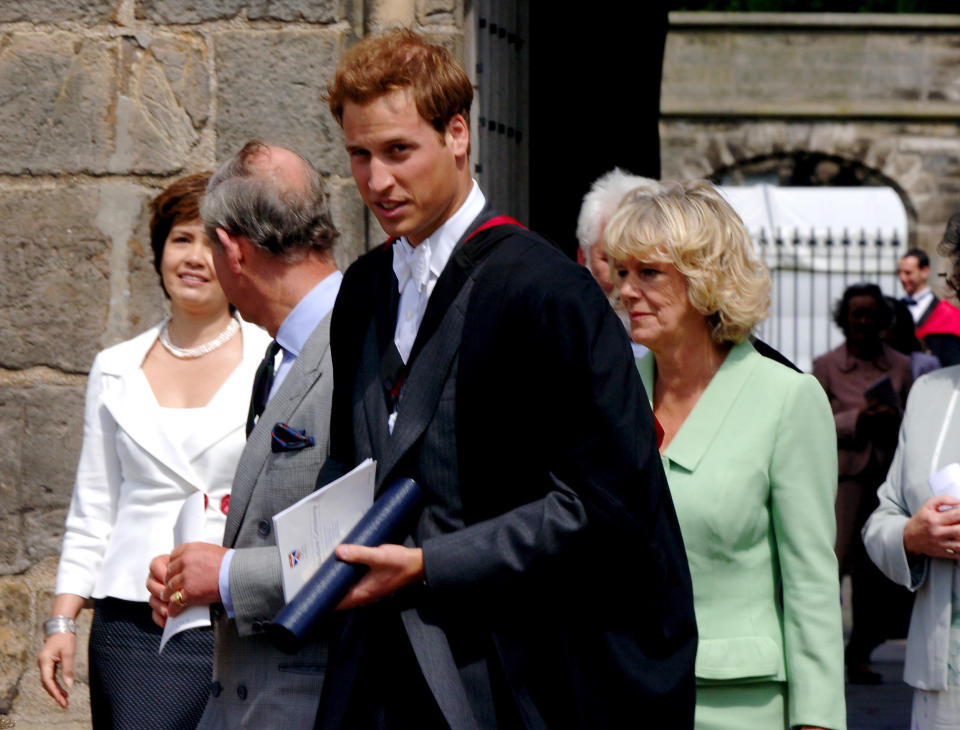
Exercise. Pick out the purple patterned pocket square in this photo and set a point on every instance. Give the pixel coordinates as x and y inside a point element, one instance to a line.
<point>285,438</point>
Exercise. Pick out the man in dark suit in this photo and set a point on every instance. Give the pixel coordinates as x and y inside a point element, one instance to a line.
<point>267,211</point>
<point>545,582</point>
<point>937,322</point>
<point>913,272</point>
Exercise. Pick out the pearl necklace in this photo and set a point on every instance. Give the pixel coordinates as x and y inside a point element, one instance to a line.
<point>199,350</point>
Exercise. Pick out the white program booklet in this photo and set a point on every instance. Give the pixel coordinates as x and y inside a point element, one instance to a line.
<point>188,528</point>
<point>308,531</point>
<point>946,481</point>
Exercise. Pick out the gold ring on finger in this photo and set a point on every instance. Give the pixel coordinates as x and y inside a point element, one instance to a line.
<point>178,599</point>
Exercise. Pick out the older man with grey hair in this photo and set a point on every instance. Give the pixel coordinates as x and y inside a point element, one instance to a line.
<point>267,211</point>
<point>598,207</point>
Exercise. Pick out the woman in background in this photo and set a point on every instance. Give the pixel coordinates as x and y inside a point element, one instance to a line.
<point>750,456</point>
<point>164,418</point>
<point>867,382</point>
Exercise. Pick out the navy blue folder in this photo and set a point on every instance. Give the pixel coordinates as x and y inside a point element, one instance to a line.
<point>383,522</point>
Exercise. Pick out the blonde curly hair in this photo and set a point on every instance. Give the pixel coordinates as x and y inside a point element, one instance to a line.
<point>688,224</point>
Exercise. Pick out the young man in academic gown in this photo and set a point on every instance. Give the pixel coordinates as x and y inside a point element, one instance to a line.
<point>544,583</point>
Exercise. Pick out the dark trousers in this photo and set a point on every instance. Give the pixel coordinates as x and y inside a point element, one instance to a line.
<point>390,692</point>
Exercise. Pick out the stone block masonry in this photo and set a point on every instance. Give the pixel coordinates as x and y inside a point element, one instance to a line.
<point>290,112</point>
<point>102,104</point>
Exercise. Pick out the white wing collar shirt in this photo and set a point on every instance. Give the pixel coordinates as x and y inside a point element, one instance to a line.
<point>418,267</point>
<point>918,303</point>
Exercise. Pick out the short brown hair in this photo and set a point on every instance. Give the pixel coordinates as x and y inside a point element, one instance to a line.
<point>400,59</point>
<point>178,203</point>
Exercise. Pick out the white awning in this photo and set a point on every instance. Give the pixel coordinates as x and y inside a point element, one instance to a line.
<point>813,222</point>
<point>875,211</point>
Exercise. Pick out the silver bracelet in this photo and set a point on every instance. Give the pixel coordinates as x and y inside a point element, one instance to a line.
<point>59,625</point>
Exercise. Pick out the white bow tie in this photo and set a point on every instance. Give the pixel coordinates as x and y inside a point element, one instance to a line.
<point>411,265</point>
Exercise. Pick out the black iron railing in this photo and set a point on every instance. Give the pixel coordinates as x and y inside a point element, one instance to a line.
<point>809,273</point>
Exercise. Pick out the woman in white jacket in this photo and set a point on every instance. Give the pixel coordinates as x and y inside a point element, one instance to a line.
<point>164,418</point>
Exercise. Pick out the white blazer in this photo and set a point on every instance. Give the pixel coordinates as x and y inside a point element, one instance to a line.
<point>138,464</point>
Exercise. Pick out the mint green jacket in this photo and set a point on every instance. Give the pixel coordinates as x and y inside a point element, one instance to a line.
<point>753,475</point>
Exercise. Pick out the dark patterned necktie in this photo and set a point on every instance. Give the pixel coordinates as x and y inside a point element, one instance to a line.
<point>262,383</point>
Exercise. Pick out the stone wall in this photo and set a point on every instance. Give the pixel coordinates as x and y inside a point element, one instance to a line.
<point>103,103</point>
<point>882,91</point>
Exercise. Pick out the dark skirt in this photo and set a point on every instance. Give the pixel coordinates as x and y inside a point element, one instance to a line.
<point>131,685</point>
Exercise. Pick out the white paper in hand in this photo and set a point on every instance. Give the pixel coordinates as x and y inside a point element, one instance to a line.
<point>308,531</point>
<point>188,528</point>
<point>946,481</point>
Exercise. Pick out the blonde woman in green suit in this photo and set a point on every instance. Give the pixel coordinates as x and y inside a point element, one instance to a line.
<point>749,449</point>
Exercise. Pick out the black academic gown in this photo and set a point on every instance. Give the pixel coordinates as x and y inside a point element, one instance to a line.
<point>557,591</point>
<point>944,345</point>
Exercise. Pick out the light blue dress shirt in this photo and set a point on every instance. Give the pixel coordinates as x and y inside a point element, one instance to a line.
<point>292,335</point>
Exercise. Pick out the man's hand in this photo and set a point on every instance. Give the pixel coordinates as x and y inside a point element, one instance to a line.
<point>155,585</point>
<point>933,532</point>
<point>391,568</point>
<point>194,571</point>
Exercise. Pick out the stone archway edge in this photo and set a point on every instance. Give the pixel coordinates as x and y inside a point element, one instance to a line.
<point>852,110</point>
<point>835,21</point>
